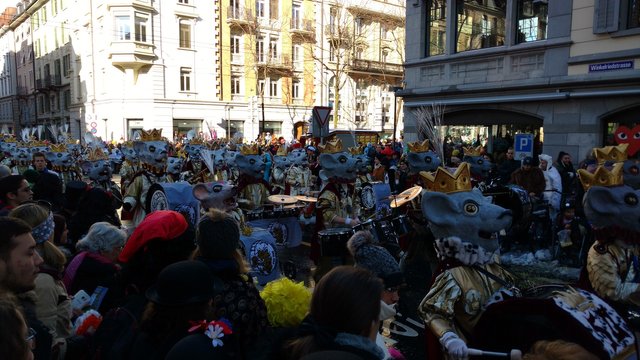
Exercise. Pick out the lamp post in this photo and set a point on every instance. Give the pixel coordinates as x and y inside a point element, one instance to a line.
<point>227,114</point>
<point>395,111</point>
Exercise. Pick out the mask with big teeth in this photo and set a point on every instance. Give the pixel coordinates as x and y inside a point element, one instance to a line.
<point>218,195</point>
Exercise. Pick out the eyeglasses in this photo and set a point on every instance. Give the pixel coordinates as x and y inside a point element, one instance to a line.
<point>31,338</point>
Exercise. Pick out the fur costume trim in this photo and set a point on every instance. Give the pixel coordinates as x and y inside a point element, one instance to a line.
<point>465,252</point>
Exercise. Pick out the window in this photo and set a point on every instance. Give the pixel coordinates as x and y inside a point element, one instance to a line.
<point>273,49</point>
<point>43,15</point>
<point>185,79</point>
<point>296,55</point>
<point>260,8</point>
<point>383,56</point>
<point>67,99</point>
<point>480,26</point>
<point>532,21</point>
<point>274,13</point>
<point>295,89</point>
<point>261,87</point>
<point>123,28</point>
<point>186,2</point>
<point>141,27</point>
<point>358,26</point>
<point>236,55</point>
<point>235,85</point>
<point>234,5</point>
<point>66,65</point>
<point>437,27</point>
<point>57,72</point>
<point>185,34</point>
<point>296,19</point>
<point>616,15</point>
<point>273,88</point>
<point>260,50</point>
<point>332,52</point>
<point>384,31</point>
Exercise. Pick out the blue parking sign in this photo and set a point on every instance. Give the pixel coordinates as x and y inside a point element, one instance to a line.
<point>523,146</point>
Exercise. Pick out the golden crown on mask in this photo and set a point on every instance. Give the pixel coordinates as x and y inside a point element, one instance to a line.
<point>95,154</point>
<point>356,150</point>
<point>611,153</point>
<point>472,151</point>
<point>602,176</point>
<point>444,181</point>
<point>332,147</point>
<point>418,147</point>
<point>58,148</point>
<point>252,149</point>
<point>151,135</point>
<point>282,151</point>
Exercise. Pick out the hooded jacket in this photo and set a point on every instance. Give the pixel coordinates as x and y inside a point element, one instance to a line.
<point>553,187</point>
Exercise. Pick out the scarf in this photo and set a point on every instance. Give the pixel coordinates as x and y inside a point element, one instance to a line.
<point>74,265</point>
<point>359,342</point>
<point>465,252</point>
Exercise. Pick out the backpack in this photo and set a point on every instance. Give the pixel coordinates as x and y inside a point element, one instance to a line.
<point>116,334</point>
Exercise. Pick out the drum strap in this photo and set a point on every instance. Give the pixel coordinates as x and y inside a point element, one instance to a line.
<point>508,285</point>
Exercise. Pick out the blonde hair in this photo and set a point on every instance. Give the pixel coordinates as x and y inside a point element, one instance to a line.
<point>34,215</point>
<point>558,350</point>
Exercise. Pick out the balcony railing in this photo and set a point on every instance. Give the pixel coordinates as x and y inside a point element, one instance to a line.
<point>239,14</point>
<point>302,25</point>
<point>278,61</point>
<point>377,67</point>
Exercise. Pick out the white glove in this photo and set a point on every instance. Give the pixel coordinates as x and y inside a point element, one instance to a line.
<point>454,345</point>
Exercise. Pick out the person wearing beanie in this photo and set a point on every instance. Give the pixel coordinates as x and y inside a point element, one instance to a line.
<point>366,254</point>
<point>530,178</point>
<point>218,241</point>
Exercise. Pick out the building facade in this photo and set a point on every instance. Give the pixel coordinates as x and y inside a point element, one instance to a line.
<point>566,71</point>
<point>198,67</point>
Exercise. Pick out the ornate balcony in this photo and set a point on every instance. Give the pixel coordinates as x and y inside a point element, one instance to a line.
<point>131,54</point>
<point>376,67</point>
<point>303,29</point>
<point>239,16</point>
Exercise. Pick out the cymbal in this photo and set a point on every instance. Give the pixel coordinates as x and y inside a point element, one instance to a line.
<point>405,196</point>
<point>294,206</point>
<point>282,199</point>
<point>306,198</point>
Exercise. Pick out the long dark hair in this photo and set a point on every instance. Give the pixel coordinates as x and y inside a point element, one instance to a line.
<point>347,299</point>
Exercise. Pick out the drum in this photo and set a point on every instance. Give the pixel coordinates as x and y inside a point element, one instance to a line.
<point>254,215</point>
<point>401,225</point>
<point>554,312</point>
<point>517,200</point>
<point>176,196</point>
<point>284,211</point>
<point>375,197</point>
<point>333,241</point>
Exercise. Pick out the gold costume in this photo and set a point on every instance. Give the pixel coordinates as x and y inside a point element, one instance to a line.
<point>456,299</point>
<point>611,271</point>
<point>136,194</point>
<point>256,194</point>
<point>299,180</point>
<point>333,207</point>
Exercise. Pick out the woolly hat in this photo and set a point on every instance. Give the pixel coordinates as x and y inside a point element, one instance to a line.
<point>218,235</point>
<point>159,225</point>
<point>183,283</point>
<point>375,258</point>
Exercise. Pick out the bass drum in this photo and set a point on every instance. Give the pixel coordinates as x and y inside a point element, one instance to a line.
<point>375,197</point>
<point>554,312</point>
<point>174,196</point>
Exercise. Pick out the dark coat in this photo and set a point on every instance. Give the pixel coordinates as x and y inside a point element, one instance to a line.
<point>531,180</point>
<point>93,273</point>
<point>43,337</point>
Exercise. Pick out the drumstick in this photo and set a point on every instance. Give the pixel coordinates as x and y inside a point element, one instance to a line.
<point>514,354</point>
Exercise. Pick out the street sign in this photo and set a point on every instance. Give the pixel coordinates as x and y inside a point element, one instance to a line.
<point>94,130</point>
<point>94,124</point>
<point>321,121</point>
<point>523,146</point>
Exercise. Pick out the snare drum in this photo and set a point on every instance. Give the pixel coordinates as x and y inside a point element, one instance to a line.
<point>401,225</point>
<point>254,215</point>
<point>333,241</point>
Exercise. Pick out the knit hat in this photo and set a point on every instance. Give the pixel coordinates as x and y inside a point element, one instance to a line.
<point>375,258</point>
<point>183,283</point>
<point>159,225</point>
<point>218,235</point>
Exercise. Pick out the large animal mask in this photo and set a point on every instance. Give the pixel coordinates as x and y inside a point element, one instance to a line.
<point>336,163</point>
<point>613,206</point>
<point>219,158</point>
<point>281,162</point>
<point>97,166</point>
<point>480,166</point>
<point>631,173</point>
<point>249,162</point>
<point>220,195</point>
<point>298,157</point>
<point>468,215</point>
<point>624,135</point>
<point>21,155</point>
<point>59,156</point>
<point>420,158</point>
<point>152,153</point>
<point>193,150</point>
<point>174,165</point>
<point>129,152</point>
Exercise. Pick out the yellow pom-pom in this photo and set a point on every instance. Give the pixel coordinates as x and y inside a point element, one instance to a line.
<point>287,302</point>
